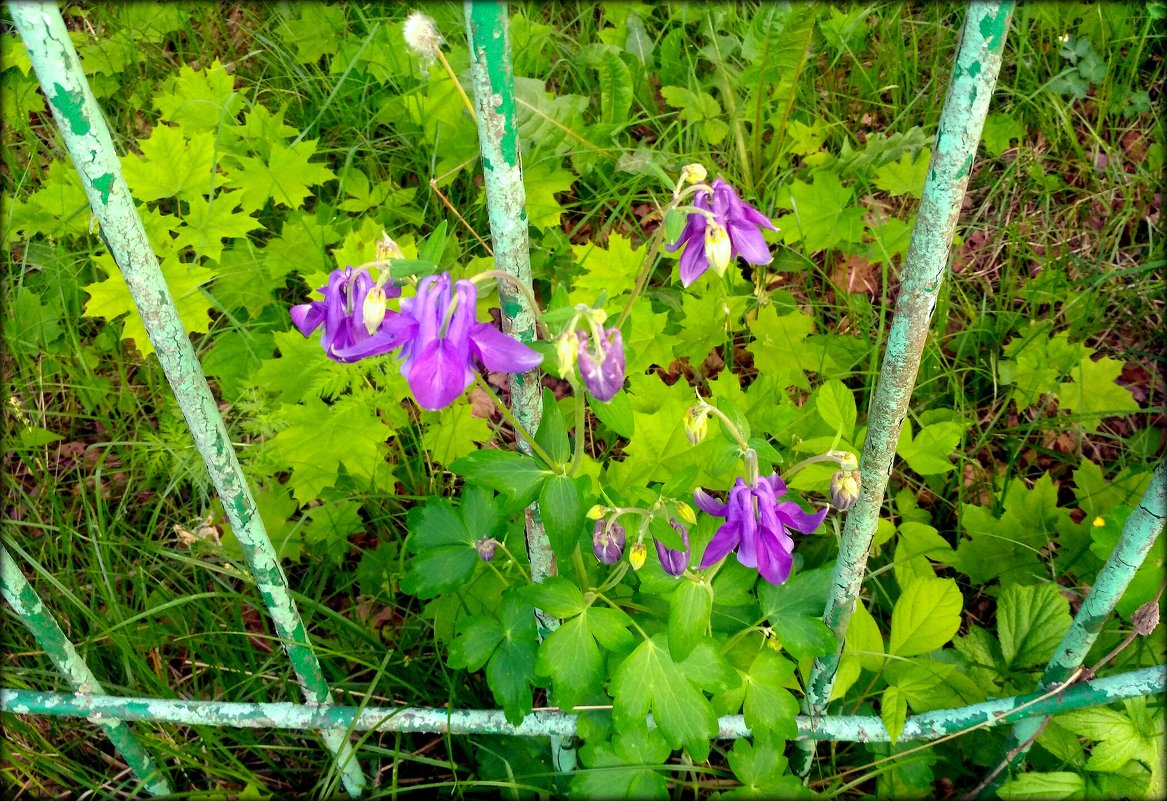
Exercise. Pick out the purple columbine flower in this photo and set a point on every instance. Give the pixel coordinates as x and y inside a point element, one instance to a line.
<point>438,335</point>
<point>603,370</point>
<point>674,562</point>
<point>443,338</point>
<point>741,221</point>
<point>757,525</point>
<point>608,540</point>
<point>349,333</point>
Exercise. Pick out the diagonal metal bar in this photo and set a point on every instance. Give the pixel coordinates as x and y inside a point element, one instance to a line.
<point>491,70</point>
<point>842,728</point>
<point>1139,533</point>
<point>87,138</point>
<point>23,599</point>
<point>978,62</point>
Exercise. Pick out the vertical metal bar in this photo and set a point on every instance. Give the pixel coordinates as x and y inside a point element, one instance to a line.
<point>88,141</point>
<point>487,31</point>
<point>23,599</point>
<point>978,61</point>
<point>1142,528</point>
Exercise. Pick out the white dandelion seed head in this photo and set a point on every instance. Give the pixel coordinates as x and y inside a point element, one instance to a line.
<point>422,35</point>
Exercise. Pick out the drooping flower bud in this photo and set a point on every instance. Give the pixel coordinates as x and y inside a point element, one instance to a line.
<point>422,35</point>
<point>608,540</point>
<point>485,548</point>
<point>718,247</point>
<point>636,555</point>
<point>847,461</point>
<point>373,309</point>
<point>686,513</point>
<point>387,249</point>
<point>602,371</point>
<point>844,489</point>
<point>566,351</point>
<point>694,173</point>
<point>674,562</point>
<point>597,511</point>
<point>697,423</point>
<point>1098,522</point>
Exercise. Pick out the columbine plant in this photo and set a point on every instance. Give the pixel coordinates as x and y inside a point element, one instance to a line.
<point>427,321</point>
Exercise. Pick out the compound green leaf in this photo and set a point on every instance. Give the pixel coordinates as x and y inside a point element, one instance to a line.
<point>1031,621</point>
<point>925,617</point>
<point>649,680</point>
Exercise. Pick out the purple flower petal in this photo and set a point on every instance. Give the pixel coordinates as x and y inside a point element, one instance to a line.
<point>794,517</point>
<point>605,378</point>
<point>500,352</point>
<point>749,243</point>
<point>708,504</point>
<point>725,540</point>
<point>439,375</point>
<point>308,316</point>
<point>774,561</point>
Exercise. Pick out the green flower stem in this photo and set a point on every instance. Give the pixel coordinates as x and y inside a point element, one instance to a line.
<point>87,138</point>
<point>580,434</point>
<point>650,259</point>
<point>25,602</point>
<point>488,37</point>
<point>729,424</point>
<point>544,723</point>
<point>1142,529</point>
<point>527,441</point>
<point>978,62</point>
<point>511,281</point>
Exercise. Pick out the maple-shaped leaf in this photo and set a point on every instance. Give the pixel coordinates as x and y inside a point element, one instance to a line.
<point>200,100</point>
<point>58,208</point>
<point>708,321</point>
<point>1091,394</point>
<point>454,431</point>
<point>363,195</point>
<point>660,449</point>
<point>543,180</point>
<point>317,31</point>
<point>261,128</point>
<point>111,298</point>
<point>1036,362</point>
<point>210,221</point>
<point>285,176</point>
<point>172,165</point>
<point>319,439</point>
<point>611,270</point>
<point>778,345</point>
<point>644,340</point>
<point>822,214</point>
<point>906,176</point>
<point>301,247</point>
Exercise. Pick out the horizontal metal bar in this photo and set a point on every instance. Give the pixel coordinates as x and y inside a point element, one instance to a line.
<point>848,728</point>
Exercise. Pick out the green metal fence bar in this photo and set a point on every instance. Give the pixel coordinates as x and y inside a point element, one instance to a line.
<point>23,599</point>
<point>88,141</point>
<point>1142,529</point>
<point>842,728</point>
<point>978,61</point>
<point>488,36</point>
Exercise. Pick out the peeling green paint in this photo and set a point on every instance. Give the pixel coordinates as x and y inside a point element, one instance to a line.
<point>553,723</point>
<point>103,184</point>
<point>71,105</point>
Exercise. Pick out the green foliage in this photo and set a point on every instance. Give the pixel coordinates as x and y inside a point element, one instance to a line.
<point>269,145</point>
